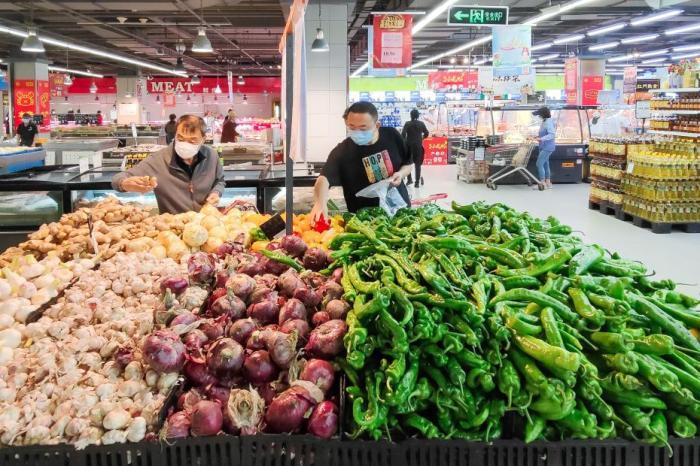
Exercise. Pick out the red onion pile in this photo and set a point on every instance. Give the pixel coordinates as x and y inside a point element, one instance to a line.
<point>257,357</point>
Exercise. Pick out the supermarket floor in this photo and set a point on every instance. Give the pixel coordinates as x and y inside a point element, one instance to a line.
<point>675,255</point>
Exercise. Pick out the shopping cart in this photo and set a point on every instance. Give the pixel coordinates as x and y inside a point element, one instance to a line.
<point>513,159</point>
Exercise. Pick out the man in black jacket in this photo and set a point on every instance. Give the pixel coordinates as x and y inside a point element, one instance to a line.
<point>414,132</point>
<point>27,130</point>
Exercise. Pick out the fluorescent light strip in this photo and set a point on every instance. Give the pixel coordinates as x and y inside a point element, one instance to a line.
<point>652,53</point>
<point>567,39</point>
<point>482,61</point>
<point>607,45</point>
<point>687,55</point>
<point>468,45</point>
<point>655,17</point>
<point>654,60</point>
<point>683,29</point>
<point>636,39</point>
<point>358,71</point>
<point>622,58</point>
<point>603,30</point>
<point>97,53</point>
<point>548,57</point>
<point>541,46</point>
<point>556,12</point>
<point>686,48</point>
<point>437,11</point>
<point>77,72</point>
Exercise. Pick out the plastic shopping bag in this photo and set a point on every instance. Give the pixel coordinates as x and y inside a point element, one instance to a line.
<point>390,199</point>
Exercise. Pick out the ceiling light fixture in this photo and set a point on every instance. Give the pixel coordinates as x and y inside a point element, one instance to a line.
<point>67,81</point>
<point>653,53</point>
<point>89,51</point>
<point>548,57</point>
<point>241,81</point>
<point>686,55</point>
<point>179,66</point>
<point>453,60</point>
<point>654,60</point>
<point>93,88</point>
<point>637,39</point>
<point>31,43</point>
<point>622,58</point>
<point>556,11</point>
<point>482,61</point>
<point>567,39</point>
<point>655,17</point>
<point>217,89</point>
<point>685,48</point>
<point>437,11</point>
<point>201,43</point>
<point>180,47</point>
<point>195,79</point>
<point>320,44</point>
<point>683,29</point>
<point>465,60</point>
<point>606,29</point>
<point>72,71</point>
<point>537,47</point>
<point>605,46</point>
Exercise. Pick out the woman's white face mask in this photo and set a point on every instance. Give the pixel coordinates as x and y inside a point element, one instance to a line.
<point>186,150</point>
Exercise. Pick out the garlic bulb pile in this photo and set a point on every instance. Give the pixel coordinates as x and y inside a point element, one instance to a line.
<point>82,380</point>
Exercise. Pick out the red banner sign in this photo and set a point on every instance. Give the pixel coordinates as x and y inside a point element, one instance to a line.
<point>571,80</point>
<point>393,43</point>
<point>44,102</point>
<point>25,99</point>
<point>82,85</point>
<point>435,150</point>
<point>207,85</point>
<point>457,80</point>
<point>56,84</point>
<point>590,87</point>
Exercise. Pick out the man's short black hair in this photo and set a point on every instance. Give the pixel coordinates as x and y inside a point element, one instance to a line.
<point>543,112</point>
<point>362,107</point>
<point>415,114</point>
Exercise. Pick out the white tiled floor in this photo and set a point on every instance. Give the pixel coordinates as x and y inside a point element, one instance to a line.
<point>675,256</point>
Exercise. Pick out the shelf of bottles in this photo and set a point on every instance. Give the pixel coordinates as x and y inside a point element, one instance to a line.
<point>609,161</point>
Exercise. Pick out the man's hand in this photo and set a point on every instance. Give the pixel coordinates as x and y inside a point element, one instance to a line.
<point>213,198</point>
<point>319,210</point>
<point>139,184</point>
<point>396,179</point>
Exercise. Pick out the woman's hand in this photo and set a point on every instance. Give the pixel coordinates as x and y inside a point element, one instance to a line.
<point>319,210</point>
<point>396,179</point>
<point>139,184</point>
<point>213,198</point>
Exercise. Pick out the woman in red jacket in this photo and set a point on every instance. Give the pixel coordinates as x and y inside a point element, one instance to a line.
<point>228,131</point>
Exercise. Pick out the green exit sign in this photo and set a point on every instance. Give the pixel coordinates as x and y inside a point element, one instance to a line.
<point>477,15</point>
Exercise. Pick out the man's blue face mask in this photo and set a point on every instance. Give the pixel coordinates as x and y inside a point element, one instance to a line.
<point>361,137</point>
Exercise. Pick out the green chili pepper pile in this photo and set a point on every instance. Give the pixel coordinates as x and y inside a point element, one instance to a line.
<point>460,317</point>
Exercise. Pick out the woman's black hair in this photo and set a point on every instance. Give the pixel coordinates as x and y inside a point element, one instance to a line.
<point>414,114</point>
<point>543,112</point>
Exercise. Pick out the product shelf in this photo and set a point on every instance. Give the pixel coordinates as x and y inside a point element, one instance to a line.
<point>671,112</point>
<point>674,133</point>
<point>678,90</point>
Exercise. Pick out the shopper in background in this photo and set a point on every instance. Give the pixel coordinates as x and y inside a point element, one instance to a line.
<point>99,118</point>
<point>184,175</point>
<point>369,154</point>
<point>170,128</point>
<point>414,132</point>
<point>27,130</point>
<point>228,130</point>
<point>545,137</point>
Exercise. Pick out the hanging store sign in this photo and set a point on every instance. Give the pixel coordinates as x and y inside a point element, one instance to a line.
<point>477,15</point>
<point>646,85</point>
<point>453,80</point>
<point>590,86</point>
<point>82,85</point>
<point>571,80</point>
<point>44,99</point>
<point>253,85</point>
<point>392,42</point>
<point>56,84</point>
<point>512,71</point>
<point>435,150</point>
<point>629,80</point>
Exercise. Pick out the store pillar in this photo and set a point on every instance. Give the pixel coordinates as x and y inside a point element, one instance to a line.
<point>129,108</point>
<point>326,77</point>
<point>29,91</point>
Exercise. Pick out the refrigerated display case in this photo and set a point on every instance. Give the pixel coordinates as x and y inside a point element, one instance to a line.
<point>17,158</point>
<point>70,151</point>
<point>515,125</point>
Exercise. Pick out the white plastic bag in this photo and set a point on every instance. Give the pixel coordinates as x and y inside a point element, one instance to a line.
<point>390,199</point>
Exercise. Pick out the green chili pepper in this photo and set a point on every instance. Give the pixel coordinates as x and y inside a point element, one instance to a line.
<point>504,256</point>
<point>611,342</point>
<point>556,407</point>
<point>456,373</point>
<point>638,419</point>
<point>600,408</point>
<point>660,377</point>
<point>521,327</point>
<point>669,325</point>
<point>405,386</point>
<point>529,370</point>
<point>687,380</point>
<point>534,428</point>
<point>508,381</point>
<point>399,339</point>
<point>374,306</point>
<point>282,259</point>
<point>681,425</point>
<point>554,262</point>
<point>522,294</point>
<point>640,399</point>
<point>585,258</point>
<point>623,362</point>
<point>520,281</point>
<point>551,328</point>
<point>580,422</point>
<point>548,355</point>
<point>358,283</point>
<point>422,425</point>
<point>657,431</point>
<point>428,270</point>
<point>395,371</point>
<point>584,308</point>
<point>435,374</point>
<point>688,317</point>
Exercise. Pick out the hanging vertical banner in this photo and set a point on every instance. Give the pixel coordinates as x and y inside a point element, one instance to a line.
<point>44,102</point>
<point>25,99</point>
<point>56,84</point>
<point>511,59</point>
<point>297,120</point>
<point>392,41</point>
<point>379,72</point>
<point>571,80</point>
<point>590,87</point>
<point>229,77</point>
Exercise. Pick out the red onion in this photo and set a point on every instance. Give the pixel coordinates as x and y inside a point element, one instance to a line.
<point>123,356</point>
<point>251,268</point>
<point>163,351</point>
<point>337,309</point>
<point>323,421</point>
<point>217,393</point>
<point>264,312</point>
<point>241,330</point>
<point>242,285</point>
<point>229,305</point>
<point>229,247</point>
<point>313,279</point>
<point>259,294</point>
<point>216,294</point>
<point>295,246</point>
<point>288,283</point>
<point>287,411</point>
<point>319,372</point>
<point>258,367</point>
<point>255,341</point>
<point>184,318</point>
<point>326,340</point>
<point>206,418</point>
<point>212,329</point>
<point>273,246</point>
<point>292,309</point>
<point>301,327</point>
<point>321,317</point>
<point>175,284</point>
<point>310,297</point>
<point>201,267</point>
<point>198,374</point>
<point>221,279</point>
<point>274,267</point>
<point>332,290</point>
<point>267,280</point>
<point>194,340</point>
<point>267,392</point>
<point>337,275</point>
<point>177,425</point>
<point>244,410</point>
<point>315,259</point>
<point>281,346</point>
<point>225,356</point>
<point>187,400</point>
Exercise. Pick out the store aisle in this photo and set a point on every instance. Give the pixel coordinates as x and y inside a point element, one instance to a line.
<point>675,256</point>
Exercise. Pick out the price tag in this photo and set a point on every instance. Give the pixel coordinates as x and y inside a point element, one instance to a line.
<point>273,226</point>
<point>479,153</point>
<point>84,164</point>
<point>630,167</point>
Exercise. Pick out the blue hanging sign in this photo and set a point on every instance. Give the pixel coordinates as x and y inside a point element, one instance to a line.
<point>390,96</point>
<point>364,96</point>
<point>415,96</point>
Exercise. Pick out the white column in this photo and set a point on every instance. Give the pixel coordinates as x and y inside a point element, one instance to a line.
<point>327,78</point>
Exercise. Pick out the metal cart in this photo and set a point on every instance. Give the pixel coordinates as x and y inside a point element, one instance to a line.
<point>513,159</point>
